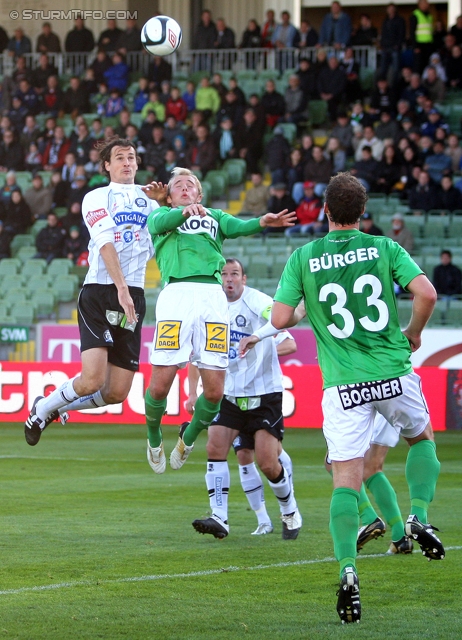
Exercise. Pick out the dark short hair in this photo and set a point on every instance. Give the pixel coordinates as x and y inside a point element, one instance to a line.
<point>345,198</point>
<point>105,148</point>
<point>447,252</point>
<point>231,260</point>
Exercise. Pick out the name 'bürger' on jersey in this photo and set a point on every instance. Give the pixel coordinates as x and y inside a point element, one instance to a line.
<point>347,280</point>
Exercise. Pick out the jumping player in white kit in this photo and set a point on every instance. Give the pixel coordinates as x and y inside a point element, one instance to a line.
<point>111,305</point>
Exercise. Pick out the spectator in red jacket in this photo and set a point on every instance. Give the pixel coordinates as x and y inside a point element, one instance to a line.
<point>55,151</point>
<point>307,211</point>
<point>176,106</point>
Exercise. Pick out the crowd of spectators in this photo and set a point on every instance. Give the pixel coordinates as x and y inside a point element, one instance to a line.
<point>393,137</point>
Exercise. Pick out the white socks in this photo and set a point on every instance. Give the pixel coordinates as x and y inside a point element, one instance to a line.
<point>253,488</point>
<point>284,494</point>
<point>286,462</point>
<point>58,399</point>
<point>217,481</point>
<point>92,401</point>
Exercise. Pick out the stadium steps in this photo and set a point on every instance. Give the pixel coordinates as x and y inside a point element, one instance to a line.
<point>23,352</point>
<point>71,320</point>
<point>152,275</point>
<point>234,207</point>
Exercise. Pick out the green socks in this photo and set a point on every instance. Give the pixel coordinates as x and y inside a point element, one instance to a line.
<point>367,512</point>
<point>422,470</point>
<point>344,523</point>
<point>385,497</point>
<point>155,410</point>
<point>204,413</point>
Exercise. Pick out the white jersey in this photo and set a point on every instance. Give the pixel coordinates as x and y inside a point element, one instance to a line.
<point>259,371</point>
<point>120,212</point>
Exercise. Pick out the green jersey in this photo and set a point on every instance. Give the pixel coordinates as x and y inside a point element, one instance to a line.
<point>191,247</point>
<point>347,280</point>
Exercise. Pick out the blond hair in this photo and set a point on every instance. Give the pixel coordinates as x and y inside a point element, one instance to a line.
<point>181,171</point>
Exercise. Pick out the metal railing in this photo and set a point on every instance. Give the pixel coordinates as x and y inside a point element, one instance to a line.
<point>188,61</point>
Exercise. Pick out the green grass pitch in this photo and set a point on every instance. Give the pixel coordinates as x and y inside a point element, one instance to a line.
<point>94,545</point>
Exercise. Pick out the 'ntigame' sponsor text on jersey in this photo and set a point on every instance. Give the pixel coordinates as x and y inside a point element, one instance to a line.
<point>118,213</point>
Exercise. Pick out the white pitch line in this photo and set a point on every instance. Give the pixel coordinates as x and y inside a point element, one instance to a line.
<point>191,574</point>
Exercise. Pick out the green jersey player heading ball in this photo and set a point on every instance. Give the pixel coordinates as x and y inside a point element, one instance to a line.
<point>192,310</point>
<point>347,280</point>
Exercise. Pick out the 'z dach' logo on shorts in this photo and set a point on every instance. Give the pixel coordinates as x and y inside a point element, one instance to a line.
<point>92,217</point>
<point>354,395</point>
<point>216,337</point>
<point>168,334</point>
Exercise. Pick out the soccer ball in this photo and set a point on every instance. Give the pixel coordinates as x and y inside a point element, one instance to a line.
<point>161,36</point>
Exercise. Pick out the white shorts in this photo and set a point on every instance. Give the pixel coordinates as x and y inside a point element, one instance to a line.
<point>384,433</point>
<point>192,324</point>
<point>349,412</point>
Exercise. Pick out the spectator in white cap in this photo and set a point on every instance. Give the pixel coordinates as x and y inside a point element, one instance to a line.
<point>400,233</point>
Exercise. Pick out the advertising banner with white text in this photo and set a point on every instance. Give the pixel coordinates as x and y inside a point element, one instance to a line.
<point>21,383</point>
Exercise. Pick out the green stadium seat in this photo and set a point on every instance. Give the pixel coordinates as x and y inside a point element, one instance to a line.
<point>268,74</point>
<point>6,318</point>
<point>436,226</point>
<point>299,241</point>
<point>22,240</point>
<point>44,302</point>
<point>206,193</point>
<point>46,177</point>
<point>415,224</point>
<point>24,312</point>
<point>404,306</point>
<point>33,266</point>
<point>110,121</point>
<point>143,177</point>
<point>455,226</point>
<point>317,112</point>
<point>454,312</point>
<point>60,266</point>
<point>40,281</point>
<point>218,181</point>
<point>236,170</point>
<point>12,281</point>
<point>65,287</point>
<point>246,74</point>
<point>9,266</point>
<point>60,212</point>
<point>25,253</point>
<point>136,119</point>
<point>37,227</point>
<point>430,262</point>
<point>290,130</point>
<point>439,314</point>
<point>12,297</point>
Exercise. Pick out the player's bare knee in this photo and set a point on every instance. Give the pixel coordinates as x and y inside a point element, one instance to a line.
<point>216,451</point>
<point>244,457</point>
<point>114,396</point>
<point>158,390</point>
<point>427,434</point>
<point>270,468</point>
<point>213,395</point>
<point>87,385</point>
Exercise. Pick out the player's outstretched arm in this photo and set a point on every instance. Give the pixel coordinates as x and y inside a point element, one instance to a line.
<point>156,191</point>
<point>424,302</point>
<point>111,260</point>
<point>289,315</point>
<point>284,218</point>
